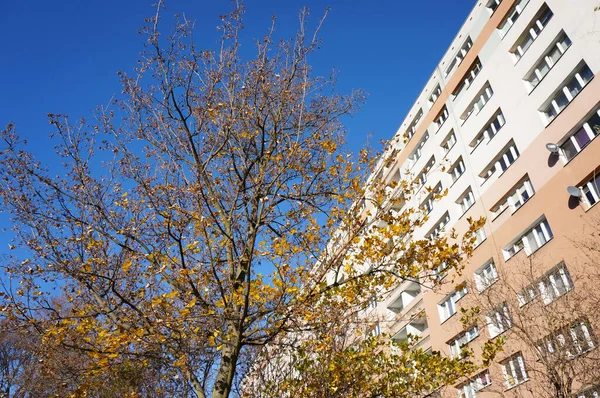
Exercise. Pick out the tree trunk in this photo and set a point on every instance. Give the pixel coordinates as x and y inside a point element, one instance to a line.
<point>229,359</point>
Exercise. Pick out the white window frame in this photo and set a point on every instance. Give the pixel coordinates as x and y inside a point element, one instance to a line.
<point>591,190</point>
<point>481,99</point>
<point>414,157</point>
<point>439,226</point>
<point>502,162</point>
<point>535,28</point>
<point>465,201</point>
<point>468,78</point>
<point>531,240</point>
<point>447,307</point>
<point>592,132</point>
<point>448,142</point>
<point>546,63</point>
<point>489,131</point>
<point>441,118</point>
<point>412,127</point>
<point>512,16</point>
<point>486,275</point>
<point>459,56</point>
<point>563,96</point>
<point>435,94</point>
<point>471,387</point>
<point>514,371</point>
<point>498,320</point>
<point>456,345</point>
<point>457,170</point>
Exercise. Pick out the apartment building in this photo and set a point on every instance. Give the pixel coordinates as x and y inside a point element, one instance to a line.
<point>507,124</point>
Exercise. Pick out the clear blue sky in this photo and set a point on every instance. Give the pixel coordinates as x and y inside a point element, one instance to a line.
<point>62,56</point>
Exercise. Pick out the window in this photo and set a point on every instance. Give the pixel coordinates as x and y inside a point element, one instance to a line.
<point>457,343</point>
<point>493,4</point>
<point>512,17</point>
<point>567,92</point>
<point>441,118</point>
<point>480,237</point>
<point>435,94</point>
<point>440,272</point>
<point>375,330</point>
<point>479,382</point>
<point>447,308</point>
<point>460,55</point>
<point>412,128</point>
<point>448,142</point>
<point>532,32</point>
<point>468,78</point>
<point>486,275</point>
<point>498,320</point>
<point>416,154</point>
<point>502,162</point>
<point>592,392</point>
<point>547,62</point>
<point>552,285</point>
<point>514,371</point>
<point>591,189</point>
<point>516,198</point>
<point>466,200</point>
<point>578,140</point>
<point>531,240</point>
<point>439,226</point>
<point>427,204</point>
<point>489,131</point>
<point>476,106</point>
<point>570,341</point>
<point>457,169</point>
<point>421,179</point>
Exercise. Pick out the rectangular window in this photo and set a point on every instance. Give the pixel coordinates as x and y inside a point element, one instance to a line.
<point>567,92</point>
<point>427,204</point>
<point>516,198</point>
<point>486,275</point>
<point>460,55</point>
<point>412,128</point>
<point>457,343</point>
<point>579,139</point>
<point>531,240</point>
<point>592,392</point>
<point>512,17</point>
<point>480,237</point>
<point>439,226</point>
<point>421,179</point>
<point>568,342</point>
<point>547,62</point>
<point>492,5</point>
<point>477,105</point>
<point>532,32</point>
<point>552,285</point>
<point>501,162</point>
<point>465,201</point>
<point>591,189</point>
<point>435,94</point>
<point>457,169</point>
<point>479,382</point>
<point>514,371</point>
<point>447,308</point>
<point>448,142</point>
<point>468,78</point>
<point>498,320</point>
<point>416,154</point>
<point>489,131</point>
<point>441,118</point>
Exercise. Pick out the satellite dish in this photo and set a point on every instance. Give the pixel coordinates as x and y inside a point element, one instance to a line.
<point>574,191</point>
<point>552,147</point>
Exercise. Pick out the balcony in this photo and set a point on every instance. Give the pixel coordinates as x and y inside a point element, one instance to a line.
<point>405,297</point>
